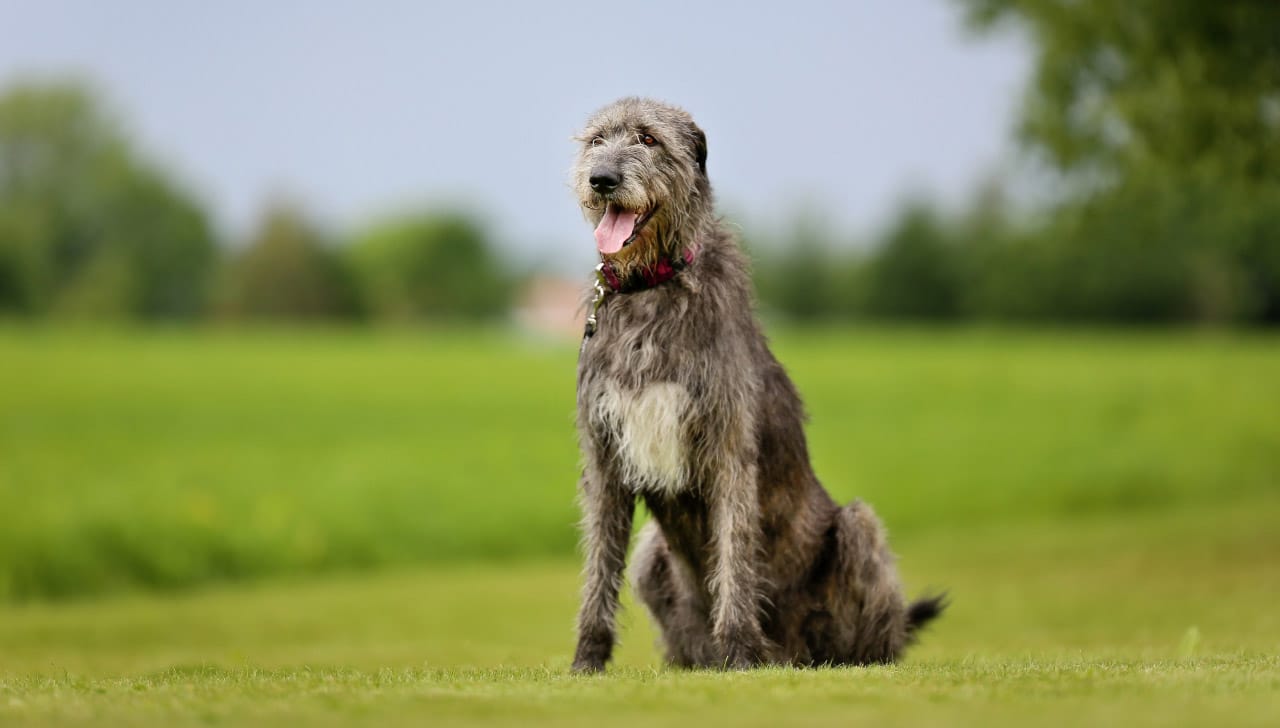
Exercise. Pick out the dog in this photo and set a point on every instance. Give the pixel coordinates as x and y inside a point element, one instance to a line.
<point>680,404</point>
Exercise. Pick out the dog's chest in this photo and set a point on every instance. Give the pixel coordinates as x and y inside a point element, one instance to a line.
<point>648,426</point>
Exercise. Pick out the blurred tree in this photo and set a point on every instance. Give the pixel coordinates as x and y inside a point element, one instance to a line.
<point>429,267</point>
<point>988,247</point>
<point>797,276</point>
<point>913,273</point>
<point>86,226</point>
<point>1166,116</point>
<point>1185,84</point>
<point>287,271</point>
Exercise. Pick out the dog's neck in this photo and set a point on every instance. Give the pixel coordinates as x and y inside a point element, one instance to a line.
<point>645,275</point>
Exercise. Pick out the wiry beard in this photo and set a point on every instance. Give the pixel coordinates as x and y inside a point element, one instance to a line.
<point>666,235</point>
<point>658,240</point>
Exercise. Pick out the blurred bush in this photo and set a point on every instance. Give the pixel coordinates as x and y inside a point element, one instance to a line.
<point>913,273</point>
<point>801,274</point>
<point>287,271</point>
<point>87,226</point>
<point>429,267</point>
<point>1144,252</point>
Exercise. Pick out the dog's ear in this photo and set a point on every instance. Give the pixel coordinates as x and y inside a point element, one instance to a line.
<point>699,147</point>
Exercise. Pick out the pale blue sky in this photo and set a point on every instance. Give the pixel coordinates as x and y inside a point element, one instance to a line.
<point>357,108</point>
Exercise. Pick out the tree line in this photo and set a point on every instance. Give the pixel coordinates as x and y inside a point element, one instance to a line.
<point>1159,121</point>
<point>1145,253</point>
<point>91,228</point>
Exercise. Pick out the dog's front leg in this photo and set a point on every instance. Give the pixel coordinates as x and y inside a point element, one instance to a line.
<point>735,581</point>
<point>607,511</point>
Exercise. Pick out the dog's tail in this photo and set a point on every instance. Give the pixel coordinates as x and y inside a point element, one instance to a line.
<point>923,611</point>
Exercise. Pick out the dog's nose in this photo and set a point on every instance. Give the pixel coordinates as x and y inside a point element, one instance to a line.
<point>604,179</point>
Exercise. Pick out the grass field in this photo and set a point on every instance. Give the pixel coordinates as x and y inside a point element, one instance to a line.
<point>252,455</point>
<point>186,522</point>
<point>1158,619</point>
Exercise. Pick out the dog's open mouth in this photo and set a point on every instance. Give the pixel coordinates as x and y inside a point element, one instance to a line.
<point>619,228</point>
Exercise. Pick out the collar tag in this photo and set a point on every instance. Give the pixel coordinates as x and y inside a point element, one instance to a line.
<point>596,300</point>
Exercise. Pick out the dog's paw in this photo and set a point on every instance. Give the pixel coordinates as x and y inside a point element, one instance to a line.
<point>588,666</point>
<point>591,656</point>
<point>743,651</point>
<point>743,658</point>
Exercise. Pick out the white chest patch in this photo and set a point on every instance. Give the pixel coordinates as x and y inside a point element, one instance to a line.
<point>649,427</point>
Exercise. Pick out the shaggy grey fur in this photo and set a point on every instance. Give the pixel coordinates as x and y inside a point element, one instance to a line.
<point>747,559</point>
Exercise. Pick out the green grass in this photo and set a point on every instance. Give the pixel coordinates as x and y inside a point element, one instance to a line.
<point>175,459</point>
<point>1165,617</point>
<point>1102,507</point>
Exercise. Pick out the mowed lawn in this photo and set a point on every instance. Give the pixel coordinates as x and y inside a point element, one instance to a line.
<point>1164,619</point>
<point>188,523</point>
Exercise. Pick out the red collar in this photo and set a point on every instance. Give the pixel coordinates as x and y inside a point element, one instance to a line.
<point>647,276</point>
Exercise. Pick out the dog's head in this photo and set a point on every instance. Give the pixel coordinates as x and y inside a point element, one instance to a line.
<point>641,178</point>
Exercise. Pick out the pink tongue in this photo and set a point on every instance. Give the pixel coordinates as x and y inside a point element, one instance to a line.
<point>614,229</point>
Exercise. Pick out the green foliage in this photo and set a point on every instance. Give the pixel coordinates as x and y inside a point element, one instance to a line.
<point>429,267</point>
<point>1163,120</point>
<point>1181,85</point>
<point>799,282</point>
<point>1148,252</point>
<point>172,459</point>
<point>802,275</point>
<point>912,271</point>
<point>1164,116</point>
<point>913,274</point>
<point>287,271</point>
<point>87,227</point>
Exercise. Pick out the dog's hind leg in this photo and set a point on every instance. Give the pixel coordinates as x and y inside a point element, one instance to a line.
<point>868,619</point>
<point>680,612</point>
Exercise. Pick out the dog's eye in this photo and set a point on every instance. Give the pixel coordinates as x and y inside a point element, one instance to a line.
<point>648,140</point>
<point>597,141</point>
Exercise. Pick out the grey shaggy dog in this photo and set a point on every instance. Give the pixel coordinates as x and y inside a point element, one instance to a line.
<point>747,560</point>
